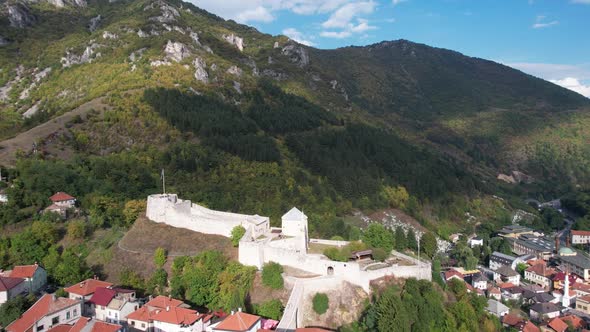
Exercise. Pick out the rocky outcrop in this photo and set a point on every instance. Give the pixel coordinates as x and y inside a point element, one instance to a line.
<point>20,16</point>
<point>168,13</point>
<point>274,74</point>
<point>136,55</point>
<point>109,35</point>
<point>195,37</point>
<point>3,41</point>
<point>176,51</point>
<point>32,111</point>
<point>237,41</point>
<point>63,3</point>
<point>94,22</point>
<point>37,77</point>
<point>87,56</point>
<point>5,90</point>
<point>238,87</point>
<point>142,34</point>
<point>158,63</point>
<point>200,70</point>
<point>297,54</point>
<point>234,70</point>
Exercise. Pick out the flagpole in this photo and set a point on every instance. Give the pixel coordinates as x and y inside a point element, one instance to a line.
<point>163,182</point>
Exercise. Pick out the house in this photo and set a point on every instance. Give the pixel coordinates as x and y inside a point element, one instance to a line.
<point>143,318</point>
<point>540,275</point>
<point>529,327</point>
<point>576,322</point>
<point>113,305</point>
<point>583,304</point>
<point>512,320</point>
<point>84,291</point>
<point>581,289</point>
<point>541,311</point>
<point>512,293</point>
<point>555,325</point>
<point>508,275</point>
<point>479,281</point>
<point>46,313</point>
<point>85,324</point>
<point>238,322</point>
<point>178,319</point>
<point>558,279</point>
<point>496,308</point>
<point>528,244</point>
<point>476,241</point>
<point>10,288</point>
<point>580,237</point>
<point>532,297</point>
<point>498,259</point>
<point>494,293</point>
<point>35,276</point>
<point>61,202</point>
<point>453,274</point>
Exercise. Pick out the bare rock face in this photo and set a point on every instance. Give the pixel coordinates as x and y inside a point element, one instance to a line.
<point>195,37</point>
<point>94,22</point>
<point>32,111</point>
<point>238,42</point>
<point>87,56</point>
<point>297,54</point>
<point>62,3</point>
<point>234,70</point>
<point>37,77</point>
<point>176,51</point>
<point>169,13</point>
<point>109,35</point>
<point>200,71</point>
<point>20,16</point>
<point>3,41</point>
<point>158,63</point>
<point>136,55</point>
<point>142,34</point>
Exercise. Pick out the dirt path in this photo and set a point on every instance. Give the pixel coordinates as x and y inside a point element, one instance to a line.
<point>24,141</point>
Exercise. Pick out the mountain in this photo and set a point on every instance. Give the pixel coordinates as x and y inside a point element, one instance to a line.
<point>251,122</point>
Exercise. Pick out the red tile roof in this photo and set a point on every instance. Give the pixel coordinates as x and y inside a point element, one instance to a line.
<point>24,271</point>
<point>310,329</point>
<point>143,314</point>
<point>453,273</point>
<point>90,325</point>
<point>530,327</point>
<point>585,298</point>
<point>164,301</point>
<point>511,319</point>
<point>102,296</point>
<point>60,197</point>
<point>105,327</point>
<point>560,276</point>
<point>581,287</point>
<point>239,321</point>
<point>541,270</point>
<point>80,324</point>
<point>87,287</point>
<point>60,328</point>
<point>506,285</point>
<point>582,233</point>
<point>46,305</point>
<point>177,316</point>
<point>558,325</point>
<point>576,321</point>
<point>8,283</point>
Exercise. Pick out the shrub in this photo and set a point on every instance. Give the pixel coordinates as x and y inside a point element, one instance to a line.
<point>320,303</point>
<point>76,229</point>
<point>236,235</point>
<point>379,254</point>
<point>272,309</point>
<point>334,254</point>
<point>271,275</point>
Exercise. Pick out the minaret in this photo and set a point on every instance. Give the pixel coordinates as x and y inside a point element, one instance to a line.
<point>565,300</point>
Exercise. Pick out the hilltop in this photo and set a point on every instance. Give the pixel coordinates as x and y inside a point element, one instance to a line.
<point>245,121</point>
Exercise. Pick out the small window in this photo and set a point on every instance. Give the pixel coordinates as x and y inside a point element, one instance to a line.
<point>40,327</point>
<point>142,324</point>
<point>75,312</point>
<point>68,315</point>
<point>132,323</point>
<point>55,320</point>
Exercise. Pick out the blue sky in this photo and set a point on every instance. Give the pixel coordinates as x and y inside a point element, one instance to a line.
<point>547,38</point>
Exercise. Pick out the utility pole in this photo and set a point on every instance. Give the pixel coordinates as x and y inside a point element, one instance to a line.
<point>163,178</point>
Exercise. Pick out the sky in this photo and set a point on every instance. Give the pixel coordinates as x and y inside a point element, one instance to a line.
<point>546,38</point>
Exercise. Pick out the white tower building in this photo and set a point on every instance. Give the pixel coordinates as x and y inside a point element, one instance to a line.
<point>565,301</point>
<point>294,223</point>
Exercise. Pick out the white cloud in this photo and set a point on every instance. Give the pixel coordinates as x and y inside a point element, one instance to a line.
<point>397,2</point>
<point>258,14</point>
<point>574,84</point>
<point>541,23</point>
<point>297,36</point>
<point>336,34</point>
<point>342,17</point>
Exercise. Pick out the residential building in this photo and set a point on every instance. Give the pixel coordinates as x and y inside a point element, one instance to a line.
<point>498,259</point>
<point>508,275</point>
<point>496,308</point>
<point>84,291</point>
<point>178,319</point>
<point>583,304</point>
<point>555,325</point>
<point>540,274</point>
<point>576,322</point>
<point>512,293</point>
<point>558,279</point>
<point>113,305</point>
<point>10,288</point>
<point>61,202</point>
<point>512,320</point>
<point>143,318</point>
<point>541,311</point>
<point>578,264</point>
<point>453,274</point>
<point>237,322</point>
<point>479,281</point>
<point>476,241</point>
<point>494,293</point>
<point>514,231</point>
<point>35,276</point>
<point>580,237</point>
<point>581,289</point>
<point>46,313</point>
<point>85,324</point>
<point>532,298</point>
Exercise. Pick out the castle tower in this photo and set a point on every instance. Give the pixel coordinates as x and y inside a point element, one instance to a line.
<point>565,301</point>
<point>294,224</point>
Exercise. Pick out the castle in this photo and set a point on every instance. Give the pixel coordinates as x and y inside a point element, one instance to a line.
<point>287,245</point>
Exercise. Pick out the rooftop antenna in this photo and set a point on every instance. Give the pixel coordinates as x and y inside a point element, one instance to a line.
<point>163,178</point>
